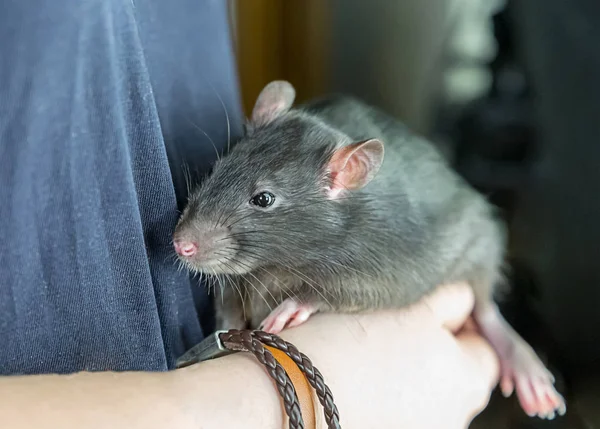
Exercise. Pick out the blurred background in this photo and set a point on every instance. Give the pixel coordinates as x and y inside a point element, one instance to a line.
<point>510,91</point>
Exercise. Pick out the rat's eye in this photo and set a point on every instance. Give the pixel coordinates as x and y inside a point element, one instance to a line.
<point>263,200</point>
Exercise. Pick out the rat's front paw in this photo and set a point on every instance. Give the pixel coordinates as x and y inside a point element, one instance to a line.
<point>524,372</point>
<point>288,314</point>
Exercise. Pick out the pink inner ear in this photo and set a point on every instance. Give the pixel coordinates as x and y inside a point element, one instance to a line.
<point>353,166</point>
<point>351,173</point>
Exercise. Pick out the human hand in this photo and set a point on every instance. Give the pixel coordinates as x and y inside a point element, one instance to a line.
<point>421,367</point>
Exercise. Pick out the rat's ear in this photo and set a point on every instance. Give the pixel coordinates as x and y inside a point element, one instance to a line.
<point>353,166</point>
<point>275,99</point>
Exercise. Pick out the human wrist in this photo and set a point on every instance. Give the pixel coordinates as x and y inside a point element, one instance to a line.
<point>240,383</point>
<point>332,355</point>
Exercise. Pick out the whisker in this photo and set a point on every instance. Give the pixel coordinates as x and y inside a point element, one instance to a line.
<point>298,275</point>
<point>226,115</point>
<point>218,279</point>
<point>207,136</point>
<point>188,178</point>
<point>257,279</point>
<point>231,214</point>
<point>293,296</point>
<point>240,219</point>
<point>237,288</point>
<point>312,283</point>
<point>261,295</point>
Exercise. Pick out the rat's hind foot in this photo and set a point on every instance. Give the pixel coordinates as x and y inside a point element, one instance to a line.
<point>288,314</point>
<point>522,370</point>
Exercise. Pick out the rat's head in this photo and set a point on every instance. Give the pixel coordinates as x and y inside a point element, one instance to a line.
<point>278,198</point>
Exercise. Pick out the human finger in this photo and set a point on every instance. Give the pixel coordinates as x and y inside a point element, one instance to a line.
<point>484,364</point>
<point>451,305</point>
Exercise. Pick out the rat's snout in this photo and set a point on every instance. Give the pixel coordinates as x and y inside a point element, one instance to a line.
<point>208,247</point>
<point>185,248</point>
<point>201,245</point>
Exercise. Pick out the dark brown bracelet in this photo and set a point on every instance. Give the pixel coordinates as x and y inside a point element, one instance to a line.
<point>224,342</point>
<point>244,341</point>
<point>313,375</point>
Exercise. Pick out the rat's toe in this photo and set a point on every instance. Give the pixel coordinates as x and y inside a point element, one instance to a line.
<point>542,389</point>
<point>275,324</point>
<point>298,319</point>
<point>507,385</point>
<point>301,315</point>
<point>527,397</point>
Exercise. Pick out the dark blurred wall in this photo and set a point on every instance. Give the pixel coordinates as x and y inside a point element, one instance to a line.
<point>556,225</point>
<point>389,53</point>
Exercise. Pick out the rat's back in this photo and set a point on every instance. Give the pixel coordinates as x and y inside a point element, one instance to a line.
<point>413,167</point>
<point>428,216</point>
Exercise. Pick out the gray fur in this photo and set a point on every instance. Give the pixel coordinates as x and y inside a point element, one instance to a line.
<point>416,225</point>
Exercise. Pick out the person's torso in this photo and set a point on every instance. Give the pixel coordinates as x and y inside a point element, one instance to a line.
<point>93,97</point>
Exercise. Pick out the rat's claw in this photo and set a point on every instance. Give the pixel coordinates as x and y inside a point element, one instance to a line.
<point>561,409</point>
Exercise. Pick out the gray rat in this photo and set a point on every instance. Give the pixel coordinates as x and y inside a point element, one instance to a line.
<point>306,214</point>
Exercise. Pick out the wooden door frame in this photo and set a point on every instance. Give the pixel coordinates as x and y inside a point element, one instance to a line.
<point>281,39</point>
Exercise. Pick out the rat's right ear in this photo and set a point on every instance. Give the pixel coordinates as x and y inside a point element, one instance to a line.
<point>275,99</point>
<point>353,166</point>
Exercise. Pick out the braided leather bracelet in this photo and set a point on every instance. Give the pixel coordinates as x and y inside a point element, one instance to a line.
<point>225,342</point>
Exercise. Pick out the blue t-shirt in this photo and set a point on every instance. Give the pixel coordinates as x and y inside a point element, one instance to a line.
<point>99,101</point>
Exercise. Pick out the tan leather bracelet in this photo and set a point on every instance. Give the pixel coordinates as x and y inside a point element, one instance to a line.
<point>265,347</point>
<point>304,391</point>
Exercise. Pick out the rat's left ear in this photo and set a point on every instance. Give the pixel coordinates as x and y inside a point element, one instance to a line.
<point>275,99</point>
<point>353,166</point>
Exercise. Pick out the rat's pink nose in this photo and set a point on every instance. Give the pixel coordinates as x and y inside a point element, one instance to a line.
<point>185,248</point>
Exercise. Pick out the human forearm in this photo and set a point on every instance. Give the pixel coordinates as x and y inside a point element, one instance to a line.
<point>388,369</point>
<point>230,392</point>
